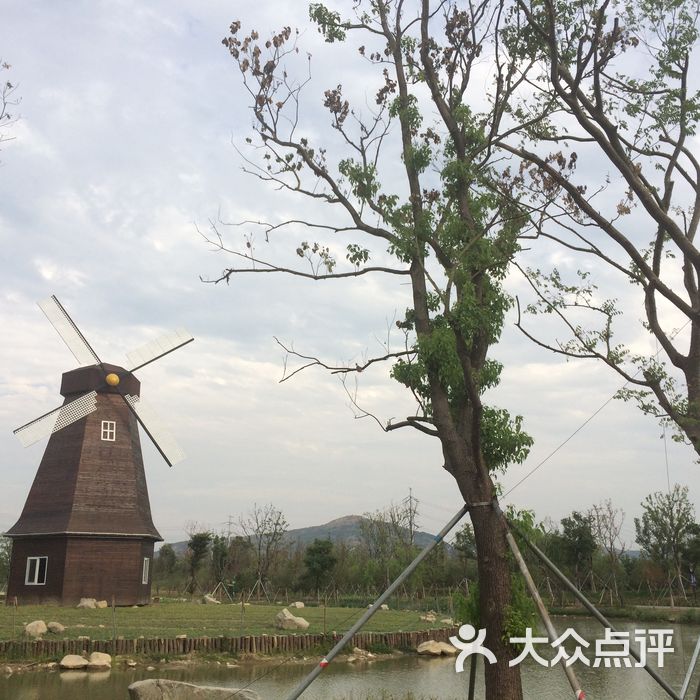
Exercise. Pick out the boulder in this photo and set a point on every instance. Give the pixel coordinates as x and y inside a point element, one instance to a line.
<point>35,629</point>
<point>361,655</point>
<point>161,689</point>
<point>433,648</point>
<point>56,628</point>
<point>429,648</point>
<point>101,604</point>
<point>297,604</point>
<point>73,661</point>
<point>447,649</point>
<point>99,661</point>
<point>209,599</point>
<point>284,620</point>
<point>87,603</point>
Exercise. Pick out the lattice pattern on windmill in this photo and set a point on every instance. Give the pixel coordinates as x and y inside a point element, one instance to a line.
<point>59,418</point>
<point>157,348</point>
<point>159,434</point>
<point>68,331</point>
<point>71,412</point>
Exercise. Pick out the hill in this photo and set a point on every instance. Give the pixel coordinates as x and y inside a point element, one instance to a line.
<point>346,529</point>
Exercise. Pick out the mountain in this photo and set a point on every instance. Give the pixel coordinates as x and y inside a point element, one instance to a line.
<point>346,529</point>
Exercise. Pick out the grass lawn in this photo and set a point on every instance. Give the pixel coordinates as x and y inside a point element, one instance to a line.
<point>168,619</point>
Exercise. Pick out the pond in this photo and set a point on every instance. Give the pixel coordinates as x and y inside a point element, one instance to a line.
<point>396,677</point>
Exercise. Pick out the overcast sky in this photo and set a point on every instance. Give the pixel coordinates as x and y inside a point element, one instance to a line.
<point>124,147</point>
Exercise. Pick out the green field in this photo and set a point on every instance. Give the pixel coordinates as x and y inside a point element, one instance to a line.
<point>169,619</point>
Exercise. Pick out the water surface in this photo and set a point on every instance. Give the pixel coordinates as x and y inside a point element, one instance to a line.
<point>433,678</point>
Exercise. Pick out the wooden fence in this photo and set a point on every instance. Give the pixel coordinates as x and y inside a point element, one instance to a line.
<point>257,644</point>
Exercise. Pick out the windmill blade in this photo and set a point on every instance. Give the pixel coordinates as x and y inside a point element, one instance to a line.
<point>66,328</point>
<point>54,420</point>
<point>154,350</point>
<point>160,436</point>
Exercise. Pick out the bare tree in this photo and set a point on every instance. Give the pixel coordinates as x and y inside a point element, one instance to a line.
<point>265,528</point>
<point>387,535</point>
<point>607,522</point>
<point>8,101</point>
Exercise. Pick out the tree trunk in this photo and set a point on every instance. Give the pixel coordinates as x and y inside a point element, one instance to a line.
<point>502,680</point>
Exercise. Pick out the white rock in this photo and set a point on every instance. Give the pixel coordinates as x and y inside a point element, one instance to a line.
<point>447,649</point>
<point>99,661</point>
<point>361,655</point>
<point>430,648</point>
<point>297,604</point>
<point>433,648</point>
<point>35,629</point>
<point>87,603</point>
<point>73,661</point>
<point>284,620</point>
<point>56,627</point>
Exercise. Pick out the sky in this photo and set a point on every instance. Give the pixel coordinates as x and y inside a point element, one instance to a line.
<point>125,150</point>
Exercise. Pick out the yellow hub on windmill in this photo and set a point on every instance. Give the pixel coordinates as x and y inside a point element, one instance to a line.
<point>112,379</point>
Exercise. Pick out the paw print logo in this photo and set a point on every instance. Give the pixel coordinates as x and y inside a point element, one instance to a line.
<point>470,642</point>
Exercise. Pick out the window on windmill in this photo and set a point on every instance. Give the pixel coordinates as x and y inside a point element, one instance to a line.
<point>36,571</point>
<point>146,567</point>
<point>109,430</point>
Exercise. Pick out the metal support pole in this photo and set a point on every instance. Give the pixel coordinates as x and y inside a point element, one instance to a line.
<point>593,610</point>
<point>691,668</point>
<point>308,680</point>
<point>472,677</point>
<point>547,621</point>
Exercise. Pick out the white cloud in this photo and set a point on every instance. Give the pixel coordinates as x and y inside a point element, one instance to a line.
<point>125,145</point>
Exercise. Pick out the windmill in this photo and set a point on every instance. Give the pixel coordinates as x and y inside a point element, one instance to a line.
<point>86,529</point>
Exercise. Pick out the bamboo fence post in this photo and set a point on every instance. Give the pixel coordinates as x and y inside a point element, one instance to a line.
<point>114,627</point>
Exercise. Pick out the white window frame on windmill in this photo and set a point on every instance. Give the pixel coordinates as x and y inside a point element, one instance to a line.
<point>146,570</point>
<point>109,430</point>
<point>33,574</point>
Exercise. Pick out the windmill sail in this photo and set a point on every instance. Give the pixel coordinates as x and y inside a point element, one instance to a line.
<point>161,437</point>
<point>59,418</point>
<point>157,348</point>
<point>66,328</point>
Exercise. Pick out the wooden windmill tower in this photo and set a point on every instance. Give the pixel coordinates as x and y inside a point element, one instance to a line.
<point>86,529</point>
